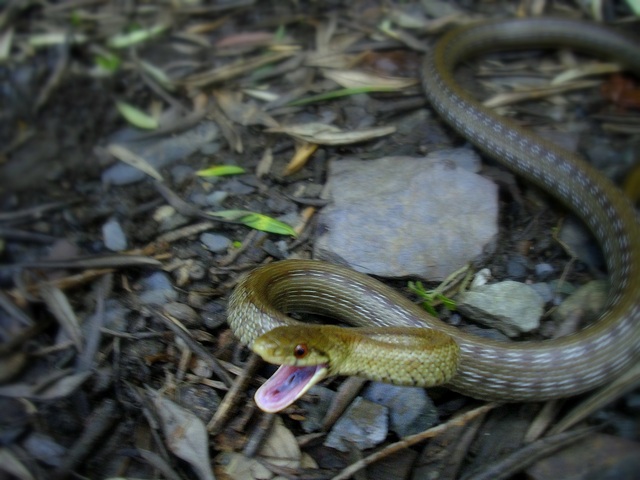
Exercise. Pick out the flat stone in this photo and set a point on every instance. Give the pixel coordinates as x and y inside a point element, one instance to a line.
<point>363,425</point>
<point>158,289</point>
<point>114,236</point>
<point>511,307</point>
<point>404,216</point>
<point>215,242</point>
<point>410,408</point>
<point>158,152</point>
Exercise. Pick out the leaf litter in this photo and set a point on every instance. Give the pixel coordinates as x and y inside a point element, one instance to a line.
<point>288,87</point>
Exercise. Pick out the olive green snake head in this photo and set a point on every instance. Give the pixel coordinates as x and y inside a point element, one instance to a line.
<point>310,353</point>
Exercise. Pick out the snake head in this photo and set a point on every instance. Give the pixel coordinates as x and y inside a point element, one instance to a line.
<point>301,352</point>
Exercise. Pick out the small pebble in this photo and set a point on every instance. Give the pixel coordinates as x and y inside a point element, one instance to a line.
<point>410,408</point>
<point>216,198</point>
<point>199,400</point>
<point>158,289</point>
<point>115,314</point>
<point>279,204</point>
<point>214,314</point>
<point>544,270</point>
<point>544,290</point>
<point>113,235</point>
<point>215,242</point>
<point>511,307</point>
<point>517,267</point>
<point>316,404</point>
<point>363,425</point>
<point>158,152</point>
<point>236,187</point>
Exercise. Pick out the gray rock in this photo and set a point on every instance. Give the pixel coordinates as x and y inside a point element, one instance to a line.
<point>363,425</point>
<point>113,235</point>
<point>511,307</point>
<point>115,313</point>
<point>236,187</point>
<point>157,151</point>
<point>410,408</point>
<point>158,289</point>
<point>214,314</point>
<point>215,242</point>
<point>402,216</point>
<point>517,267</point>
<point>199,400</point>
<point>544,270</point>
<point>216,198</point>
<point>544,290</point>
<point>172,222</point>
<point>316,404</point>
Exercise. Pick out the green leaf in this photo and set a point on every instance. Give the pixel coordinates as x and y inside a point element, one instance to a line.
<point>158,75</point>
<point>220,170</point>
<point>257,221</point>
<point>136,117</point>
<point>430,297</point>
<point>634,5</point>
<point>343,92</point>
<point>135,36</point>
<point>76,18</point>
<point>108,62</point>
<point>281,32</point>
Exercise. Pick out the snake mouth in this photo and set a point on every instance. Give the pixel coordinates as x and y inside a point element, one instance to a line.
<point>287,385</point>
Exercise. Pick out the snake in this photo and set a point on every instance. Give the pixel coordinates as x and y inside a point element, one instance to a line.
<point>394,340</point>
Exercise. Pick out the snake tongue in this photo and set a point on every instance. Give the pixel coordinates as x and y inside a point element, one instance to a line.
<point>287,385</point>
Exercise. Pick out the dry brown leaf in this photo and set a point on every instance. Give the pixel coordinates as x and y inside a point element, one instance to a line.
<point>509,98</point>
<point>185,434</point>
<point>324,134</point>
<point>12,465</point>
<point>357,79</point>
<point>300,157</point>
<point>235,69</point>
<point>11,364</point>
<point>59,306</point>
<point>587,70</point>
<point>264,165</point>
<point>332,59</point>
<point>248,113</point>
<point>60,384</point>
<point>136,161</point>
<point>280,448</point>
<point>236,466</point>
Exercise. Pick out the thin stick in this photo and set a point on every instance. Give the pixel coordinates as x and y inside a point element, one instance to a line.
<point>412,440</point>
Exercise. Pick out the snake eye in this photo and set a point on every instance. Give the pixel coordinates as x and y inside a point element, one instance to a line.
<point>300,350</point>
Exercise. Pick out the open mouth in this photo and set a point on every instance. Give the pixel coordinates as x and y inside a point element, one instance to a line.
<point>287,385</point>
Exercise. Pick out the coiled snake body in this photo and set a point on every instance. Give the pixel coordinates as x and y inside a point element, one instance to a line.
<point>519,371</point>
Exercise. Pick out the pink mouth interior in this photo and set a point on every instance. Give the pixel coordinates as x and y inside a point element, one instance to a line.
<point>285,387</point>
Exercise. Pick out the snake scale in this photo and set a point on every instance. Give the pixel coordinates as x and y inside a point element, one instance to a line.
<point>491,370</point>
